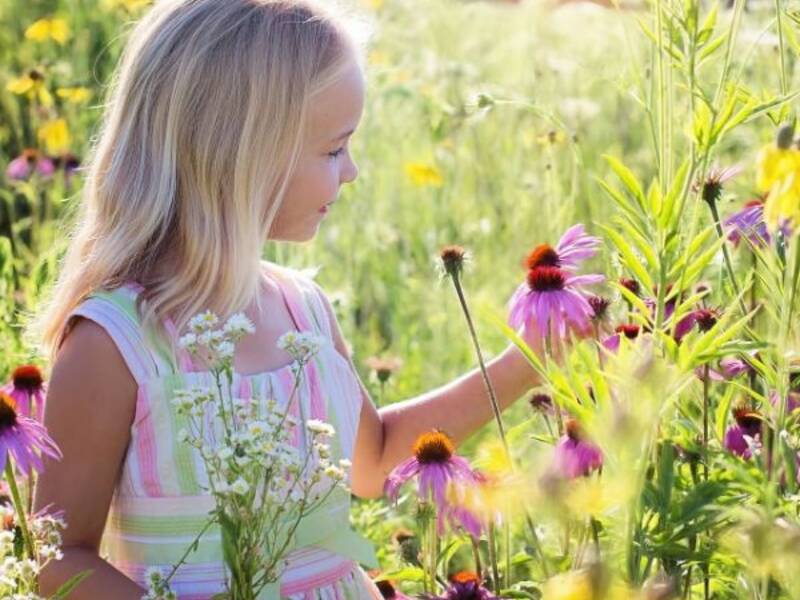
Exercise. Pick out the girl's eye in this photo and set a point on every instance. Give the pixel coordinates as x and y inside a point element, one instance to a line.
<point>336,152</point>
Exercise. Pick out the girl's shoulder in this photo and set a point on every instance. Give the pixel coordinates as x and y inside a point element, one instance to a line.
<point>302,283</point>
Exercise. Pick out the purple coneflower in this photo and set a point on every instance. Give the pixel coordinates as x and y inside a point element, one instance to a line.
<point>21,167</point>
<point>628,330</point>
<point>704,318</point>
<point>21,438</point>
<point>712,186</point>
<point>792,401</point>
<point>599,307</point>
<point>551,302</point>
<point>465,585</point>
<point>748,222</point>
<point>28,389</point>
<point>575,456</point>
<point>574,247</point>
<point>438,468</point>
<point>729,368</point>
<point>745,433</point>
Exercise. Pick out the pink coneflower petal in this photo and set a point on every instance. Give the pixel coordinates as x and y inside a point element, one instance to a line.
<point>731,367</point>
<point>28,389</point>
<point>740,436</point>
<point>22,439</point>
<point>575,246</point>
<point>436,467</point>
<point>574,455</point>
<point>612,342</point>
<point>551,302</point>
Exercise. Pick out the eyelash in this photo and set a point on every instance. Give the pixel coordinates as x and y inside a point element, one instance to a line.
<point>336,153</point>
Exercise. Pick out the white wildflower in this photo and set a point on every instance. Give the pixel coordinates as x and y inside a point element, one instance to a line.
<point>188,342</point>
<point>237,326</point>
<point>240,486</point>
<point>320,428</point>
<point>225,350</point>
<point>203,322</point>
<point>300,345</point>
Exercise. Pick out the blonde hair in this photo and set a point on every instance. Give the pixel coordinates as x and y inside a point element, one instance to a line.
<point>203,126</point>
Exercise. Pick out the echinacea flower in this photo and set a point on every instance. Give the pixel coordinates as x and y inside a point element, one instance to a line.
<point>438,468</point>
<point>575,456</point>
<point>383,367</point>
<point>729,368</point>
<point>745,434</point>
<point>574,247</point>
<point>30,161</point>
<point>749,223</point>
<point>453,258</point>
<point>792,401</point>
<point>599,307</point>
<point>28,389</point>
<point>541,403</point>
<point>631,285</point>
<point>627,330</point>
<point>551,302</point>
<point>703,318</point>
<point>21,438</point>
<point>465,585</point>
<point>712,186</point>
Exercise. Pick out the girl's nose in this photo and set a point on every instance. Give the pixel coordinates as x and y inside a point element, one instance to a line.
<point>349,171</point>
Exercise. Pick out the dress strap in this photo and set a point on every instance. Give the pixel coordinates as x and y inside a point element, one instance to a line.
<point>304,301</point>
<point>116,312</point>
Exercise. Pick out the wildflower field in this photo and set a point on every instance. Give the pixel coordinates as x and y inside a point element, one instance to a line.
<point>620,184</point>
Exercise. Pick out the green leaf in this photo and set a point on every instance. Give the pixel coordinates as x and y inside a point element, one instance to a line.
<point>629,257</point>
<point>447,554</point>
<point>405,574</point>
<point>629,179</point>
<point>67,588</point>
<point>723,408</point>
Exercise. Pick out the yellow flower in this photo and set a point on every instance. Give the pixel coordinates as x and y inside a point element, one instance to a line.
<point>583,585</point>
<point>778,175</point>
<point>32,85</point>
<point>55,135</point>
<point>44,29</point>
<point>575,585</point>
<point>128,5</point>
<point>76,95</point>
<point>422,174</point>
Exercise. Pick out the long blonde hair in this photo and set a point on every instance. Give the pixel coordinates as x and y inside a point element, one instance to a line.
<point>201,131</point>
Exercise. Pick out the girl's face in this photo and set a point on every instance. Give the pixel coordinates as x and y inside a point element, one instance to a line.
<point>325,162</point>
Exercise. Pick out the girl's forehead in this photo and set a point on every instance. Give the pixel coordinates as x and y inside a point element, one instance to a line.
<point>336,110</point>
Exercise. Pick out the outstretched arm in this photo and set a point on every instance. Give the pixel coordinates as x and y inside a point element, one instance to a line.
<point>459,408</point>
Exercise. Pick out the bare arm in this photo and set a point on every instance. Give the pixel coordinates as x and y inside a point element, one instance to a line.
<point>90,406</point>
<point>459,408</point>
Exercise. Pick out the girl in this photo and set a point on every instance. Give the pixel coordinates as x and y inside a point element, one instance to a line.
<point>228,125</point>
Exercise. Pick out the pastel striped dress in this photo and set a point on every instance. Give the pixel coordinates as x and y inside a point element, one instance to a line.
<point>160,503</point>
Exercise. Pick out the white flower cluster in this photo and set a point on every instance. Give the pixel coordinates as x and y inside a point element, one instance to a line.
<point>215,343</point>
<point>157,586</point>
<point>256,474</point>
<point>17,574</point>
<point>300,345</point>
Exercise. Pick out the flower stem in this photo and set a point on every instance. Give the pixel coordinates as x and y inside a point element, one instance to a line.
<point>726,255</point>
<point>493,559</point>
<point>485,375</point>
<point>19,508</point>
